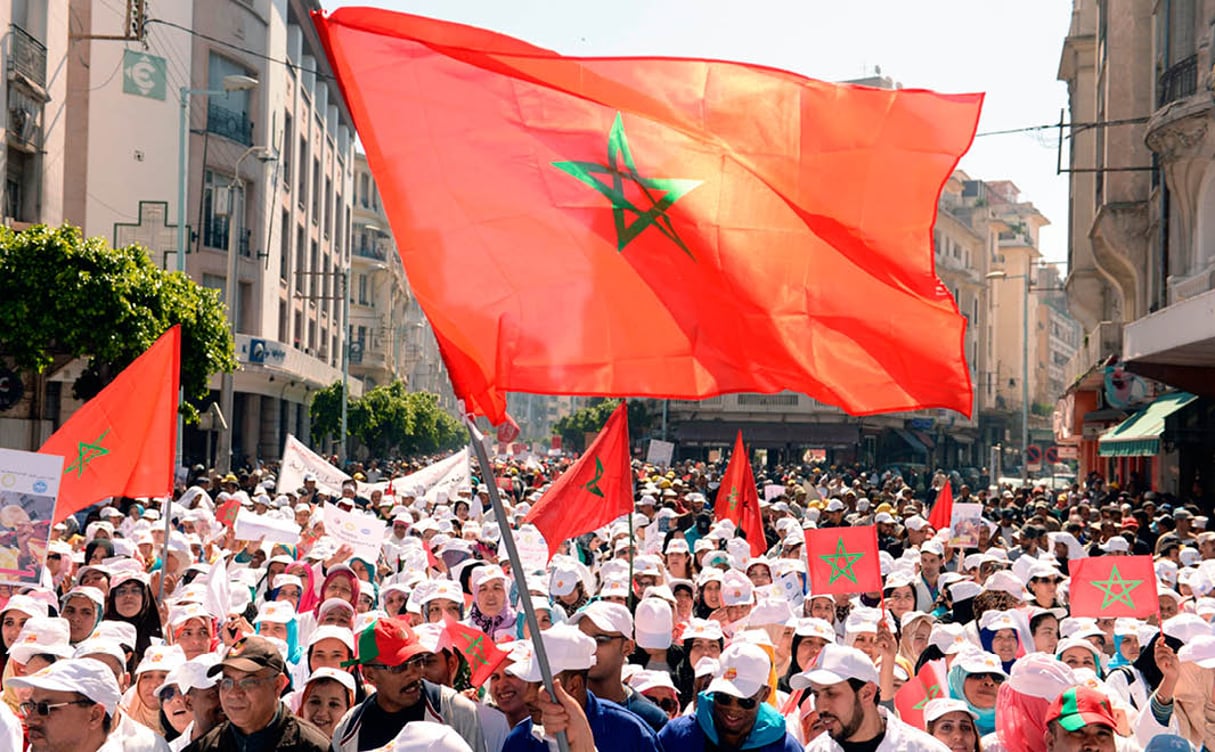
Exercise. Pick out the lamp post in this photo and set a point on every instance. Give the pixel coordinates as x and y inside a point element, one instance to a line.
<point>1024,368</point>
<point>231,83</point>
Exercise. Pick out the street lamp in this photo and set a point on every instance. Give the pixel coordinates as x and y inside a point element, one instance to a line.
<point>231,83</point>
<point>228,389</point>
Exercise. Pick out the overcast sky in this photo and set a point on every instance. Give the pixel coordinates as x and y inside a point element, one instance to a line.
<point>1010,51</point>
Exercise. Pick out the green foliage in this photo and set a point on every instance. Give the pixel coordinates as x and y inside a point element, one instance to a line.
<point>574,427</point>
<point>63,296</point>
<point>389,420</point>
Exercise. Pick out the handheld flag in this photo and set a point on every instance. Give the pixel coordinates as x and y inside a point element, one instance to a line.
<point>482,654</point>
<point>1108,587</point>
<point>911,698</point>
<point>942,511</point>
<point>550,183</point>
<point>843,560</point>
<point>738,500</point>
<point>122,442</point>
<point>596,489</point>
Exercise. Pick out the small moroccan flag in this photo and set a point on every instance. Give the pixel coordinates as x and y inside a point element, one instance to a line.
<point>227,512</point>
<point>911,698</point>
<point>1108,587</point>
<point>738,500</point>
<point>596,489</point>
<point>942,511</point>
<point>122,442</point>
<point>482,654</point>
<point>843,560</point>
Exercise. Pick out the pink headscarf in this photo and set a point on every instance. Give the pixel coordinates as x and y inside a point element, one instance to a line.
<point>1021,703</point>
<point>309,598</point>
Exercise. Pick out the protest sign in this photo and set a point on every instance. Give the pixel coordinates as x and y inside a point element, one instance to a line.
<point>660,453</point>
<point>251,526</point>
<point>29,485</point>
<point>773,491</point>
<point>299,460</point>
<point>361,531</point>
<point>964,525</point>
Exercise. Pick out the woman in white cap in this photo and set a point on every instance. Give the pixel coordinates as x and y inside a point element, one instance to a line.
<point>953,722</point>
<point>975,678</point>
<point>131,600</point>
<point>14,615</point>
<point>326,697</point>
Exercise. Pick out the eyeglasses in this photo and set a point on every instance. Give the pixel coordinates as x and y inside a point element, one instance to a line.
<point>603,639</point>
<point>726,700</point>
<point>248,684</point>
<point>417,662</point>
<point>667,704</point>
<point>44,708</point>
<point>128,590</point>
<point>995,678</point>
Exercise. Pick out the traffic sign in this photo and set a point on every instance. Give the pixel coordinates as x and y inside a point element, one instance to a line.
<point>1033,454</point>
<point>1069,452</point>
<point>1052,454</point>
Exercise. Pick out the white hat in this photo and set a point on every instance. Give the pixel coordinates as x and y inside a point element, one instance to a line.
<point>702,629</point>
<point>996,620</point>
<point>95,646</point>
<point>341,677</point>
<point>934,709</point>
<point>25,604</point>
<point>42,634</point>
<point>814,627</point>
<point>743,672</point>
<point>276,612</point>
<point>654,622</point>
<point>331,604</point>
<point>84,676</point>
<point>119,631</point>
<point>706,666</point>
<point>769,611</point>
<point>161,658</point>
<point>610,617</point>
<point>332,632</point>
<point>964,590</point>
<point>979,662</point>
<point>1117,544</point>
<point>736,589</point>
<point>426,736</point>
<point>564,579</point>
<point>482,575</point>
<point>643,681</point>
<point>932,546</point>
<point>835,505</point>
<point>948,638</point>
<point>1200,650</point>
<point>195,673</point>
<point>836,663</point>
<point>445,590</point>
<point>1006,582</point>
<point>179,615</point>
<point>677,546</point>
<point>916,522</point>
<point>568,649</point>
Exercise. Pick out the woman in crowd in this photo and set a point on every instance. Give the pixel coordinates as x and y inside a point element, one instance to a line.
<point>131,600</point>
<point>953,723</point>
<point>975,679</point>
<point>325,698</point>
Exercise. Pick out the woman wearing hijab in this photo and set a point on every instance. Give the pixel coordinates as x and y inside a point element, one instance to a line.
<point>708,599</point>
<point>809,637</point>
<point>1136,682</point>
<point>999,633</point>
<point>98,550</point>
<point>975,679</point>
<point>701,638</point>
<point>914,631</point>
<point>491,612</point>
<point>1066,549</point>
<point>131,600</point>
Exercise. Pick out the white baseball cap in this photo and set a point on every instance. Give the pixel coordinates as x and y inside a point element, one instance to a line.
<point>341,677</point>
<point>736,589</point>
<point>916,522</point>
<point>654,622</point>
<point>934,709</point>
<point>95,646</point>
<point>426,736</point>
<point>836,663</point>
<point>610,617</point>
<point>743,672</point>
<point>275,612</point>
<point>568,649</point>
<point>482,575</point>
<point>42,634</point>
<point>84,676</point>
<point>161,658</point>
<point>811,626</point>
<point>702,629</point>
<point>706,666</point>
<point>332,632</point>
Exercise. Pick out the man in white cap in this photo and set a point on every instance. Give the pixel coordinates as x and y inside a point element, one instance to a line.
<point>610,625</point>
<point>571,654</point>
<point>71,706</point>
<point>844,685</point>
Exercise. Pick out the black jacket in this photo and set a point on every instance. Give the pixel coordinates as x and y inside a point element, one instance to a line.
<point>285,734</point>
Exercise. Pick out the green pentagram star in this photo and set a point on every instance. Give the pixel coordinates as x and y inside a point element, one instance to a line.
<point>933,692</point>
<point>1124,589</point>
<point>86,452</point>
<point>841,562</point>
<point>592,485</point>
<point>661,193</point>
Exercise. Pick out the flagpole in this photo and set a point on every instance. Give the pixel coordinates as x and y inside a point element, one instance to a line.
<point>164,546</point>
<point>516,566</point>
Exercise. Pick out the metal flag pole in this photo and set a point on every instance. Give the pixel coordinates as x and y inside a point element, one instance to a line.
<point>167,510</point>
<point>516,566</point>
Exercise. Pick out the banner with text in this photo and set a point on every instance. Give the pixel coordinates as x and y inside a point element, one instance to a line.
<point>299,460</point>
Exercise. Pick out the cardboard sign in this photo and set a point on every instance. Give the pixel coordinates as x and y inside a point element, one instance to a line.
<point>964,525</point>
<point>660,453</point>
<point>361,531</point>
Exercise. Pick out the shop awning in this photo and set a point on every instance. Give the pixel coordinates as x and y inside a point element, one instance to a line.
<point>912,441</point>
<point>1139,435</point>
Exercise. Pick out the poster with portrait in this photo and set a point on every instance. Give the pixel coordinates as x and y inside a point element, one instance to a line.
<point>964,525</point>
<point>29,485</point>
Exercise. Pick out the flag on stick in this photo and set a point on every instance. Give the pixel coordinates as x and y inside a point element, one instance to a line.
<point>123,441</point>
<point>590,185</point>
<point>843,560</point>
<point>738,500</point>
<point>911,698</point>
<point>1108,587</point>
<point>942,511</point>
<point>482,654</point>
<point>596,489</point>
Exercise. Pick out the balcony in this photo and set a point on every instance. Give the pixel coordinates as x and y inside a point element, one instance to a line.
<point>215,235</point>
<point>234,126</point>
<point>1178,82</point>
<point>26,57</point>
<point>373,250</point>
<point>1182,288</point>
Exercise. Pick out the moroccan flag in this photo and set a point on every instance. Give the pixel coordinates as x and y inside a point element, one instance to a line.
<point>843,560</point>
<point>702,227</point>
<point>122,442</point>
<point>482,654</point>
<point>596,489</point>
<point>911,698</point>
<point>942,511</point>
<point>1107,587</point>
<point>738,500</point>
<point>227,512</point>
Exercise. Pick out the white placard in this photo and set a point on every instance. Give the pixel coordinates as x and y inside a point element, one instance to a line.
<point>533,550</point>
<point>964,525</point>
<point>445,475</point>
<point>299,460</point>
<point>361,531</point>
<point>29,485</point>
<point>250,526</point>
<point>772,491</point>
<point>660,453</point>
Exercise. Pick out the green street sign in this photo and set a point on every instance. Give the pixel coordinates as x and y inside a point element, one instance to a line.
<point>143,75</point>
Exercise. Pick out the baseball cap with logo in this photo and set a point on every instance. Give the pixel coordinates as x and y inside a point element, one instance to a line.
<point>387,642</point>
<point>1081,706</point>
<point>743,672</point>
<point>42,635</point>
<point>568,649</point>
<point>84,676</point>
<point>251,654</point>
<point>836,663</point>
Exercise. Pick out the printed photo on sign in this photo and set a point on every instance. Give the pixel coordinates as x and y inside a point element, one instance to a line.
<point>29,484</point>
<point>965,525</point>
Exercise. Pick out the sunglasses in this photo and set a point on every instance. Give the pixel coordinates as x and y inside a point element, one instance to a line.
<point>667,704</point>
<point>418,662</point>
<point>44,708</point>
<point>995,678</point>
<point>726,700</point>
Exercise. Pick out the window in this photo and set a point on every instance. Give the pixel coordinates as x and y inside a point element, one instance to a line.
<point>316,190</point>
<point>363,289</point>
<point>228,113</point>
<point>302,192</point>
<point>300,258</point>
<point>216,218</point>
<point>364,199</point>
<point>328,206</point>
<point>282,321</point>
<point>288,145</point>
<point>284,258</point>
<point>297,328</point>
<point>337,230</point>
<point>314,267</point>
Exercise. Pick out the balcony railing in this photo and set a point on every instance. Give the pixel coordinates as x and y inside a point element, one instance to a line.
<point>27,56</point>
<point>215,235</point>
<point>1179,81</point>
<point>370,250</point>
<point>232,125</point>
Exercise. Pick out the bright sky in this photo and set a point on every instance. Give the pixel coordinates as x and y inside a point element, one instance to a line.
<point>1008,50</point>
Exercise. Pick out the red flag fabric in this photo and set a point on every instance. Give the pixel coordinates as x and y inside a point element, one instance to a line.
<point>508,431</point>
<point>596,489</point>
<point>1108,587</point>
<point>843,560</point>
<point>738,500</point>
<point>795,214</point>
<point>911,698</point>
<point>122,442</point>
<point>482,654</point>
<point>227,512</point>
<point>942,511</point>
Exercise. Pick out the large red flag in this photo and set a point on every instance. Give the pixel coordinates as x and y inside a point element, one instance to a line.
<point>482,654</point>
<point>122,442</point>
<point>1107,587</point>
<point>942,511</point>
<point>843,560</point>
<point>708,226</point>
<point>738,500</point>
<point>596,489</point>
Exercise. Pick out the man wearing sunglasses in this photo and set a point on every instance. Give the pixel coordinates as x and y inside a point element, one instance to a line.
<point>252,677</point>
<point>733,712</point>
<point>71,705</point>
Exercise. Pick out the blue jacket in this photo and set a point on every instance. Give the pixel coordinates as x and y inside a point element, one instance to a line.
<point>613,727</point>
<point>696,733</point>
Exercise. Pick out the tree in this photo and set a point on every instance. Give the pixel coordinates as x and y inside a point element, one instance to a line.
<point>64,296</point>
<point>388,420</point>
<point>574,427</point>
<point>326,412</point>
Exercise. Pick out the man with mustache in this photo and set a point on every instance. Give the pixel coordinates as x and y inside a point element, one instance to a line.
<point>71,705</point>
<point>844,685</point>
<point>394,661</point>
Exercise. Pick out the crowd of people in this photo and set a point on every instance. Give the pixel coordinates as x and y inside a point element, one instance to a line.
<point>663,632</point>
